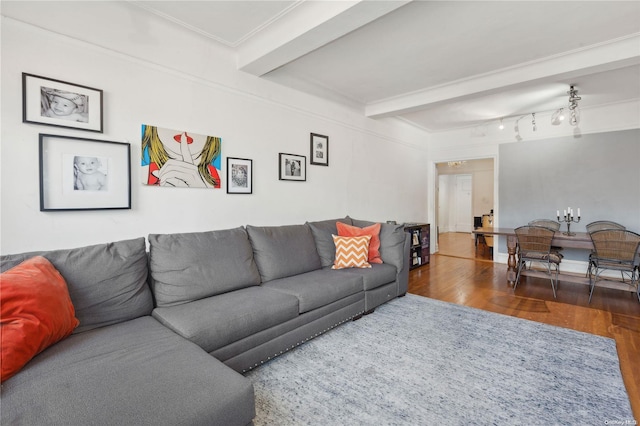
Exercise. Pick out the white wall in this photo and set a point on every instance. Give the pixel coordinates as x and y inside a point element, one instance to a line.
<point>154,72</point>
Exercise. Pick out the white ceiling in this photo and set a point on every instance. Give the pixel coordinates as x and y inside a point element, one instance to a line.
<point>437,64</point>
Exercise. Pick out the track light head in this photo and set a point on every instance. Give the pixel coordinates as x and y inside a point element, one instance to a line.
<point>573,105</point>
<point>557,117</point>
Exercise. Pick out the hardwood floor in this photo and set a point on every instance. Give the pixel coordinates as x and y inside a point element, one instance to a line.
<point>463,275</point>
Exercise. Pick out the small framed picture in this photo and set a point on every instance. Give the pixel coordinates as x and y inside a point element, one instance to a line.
<point>239,176</point>
<point>84,174</point>
<point>319,150</point>
<point>292,167</point>
<point>58,103</point>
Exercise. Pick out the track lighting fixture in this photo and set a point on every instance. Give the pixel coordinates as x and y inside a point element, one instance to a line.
<point>557,116</point>
<point>533,121</point>
<point>573,105</point>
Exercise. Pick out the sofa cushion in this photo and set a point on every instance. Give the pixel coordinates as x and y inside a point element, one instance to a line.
<point>215,322</point>
<point>318,288</point>
<point>107,282</point>
<point>351,252</point>
<point>283,251</point>
<point>373,231</point>
<point>322,234</point>
<point>191,266</point>
<point>36,312</point>
<point>374,277</point>
<point>391,242</point>
<point>134,373</point>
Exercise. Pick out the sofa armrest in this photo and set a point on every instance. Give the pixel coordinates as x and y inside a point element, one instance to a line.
<point>394,250</point>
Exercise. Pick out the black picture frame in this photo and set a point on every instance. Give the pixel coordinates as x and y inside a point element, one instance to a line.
<point>239,175</point>
<point>292,167</point>
<point>84,174</point>
<point>319,145</point>
<point>52,102</point>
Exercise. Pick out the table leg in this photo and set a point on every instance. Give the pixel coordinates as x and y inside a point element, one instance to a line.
<point>512,241</point>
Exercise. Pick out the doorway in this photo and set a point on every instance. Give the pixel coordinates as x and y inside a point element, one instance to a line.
<point>465,189</point>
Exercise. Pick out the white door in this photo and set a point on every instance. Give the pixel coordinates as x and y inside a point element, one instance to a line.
<point>463,211</point>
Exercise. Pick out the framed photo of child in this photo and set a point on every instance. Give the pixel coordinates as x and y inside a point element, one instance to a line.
<point>59,103</point>
<point>84,174</point>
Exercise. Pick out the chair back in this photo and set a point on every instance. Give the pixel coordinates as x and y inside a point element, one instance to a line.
<point>477,221</point>
<point>603,224</point>
<point>617,245</point>
<point>547,223</point>
<point>534,239</point>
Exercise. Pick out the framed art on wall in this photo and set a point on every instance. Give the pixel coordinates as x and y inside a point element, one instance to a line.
<point>84,174</point>
<point>59,103</point>
<point>292,167</point>
<point>239,176</point>
<point>319,150</point>
<point>179,158</point>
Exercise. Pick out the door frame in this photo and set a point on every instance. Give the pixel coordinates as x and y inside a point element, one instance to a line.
<point>434,190</point>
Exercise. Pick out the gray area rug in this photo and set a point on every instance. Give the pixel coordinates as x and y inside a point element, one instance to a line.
<point>418,361</point>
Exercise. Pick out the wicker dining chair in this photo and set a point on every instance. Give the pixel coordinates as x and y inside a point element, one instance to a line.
<point>551,224</point>
<point>534,245</point>
<point>615,249</point>
<point>547,223</point>
<point>598,226</point>
<point>603,224</point>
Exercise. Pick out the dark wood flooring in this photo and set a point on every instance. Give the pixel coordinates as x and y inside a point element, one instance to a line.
<point>465,275</point>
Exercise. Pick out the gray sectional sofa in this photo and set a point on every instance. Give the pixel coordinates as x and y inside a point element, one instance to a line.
<point>161,332</point>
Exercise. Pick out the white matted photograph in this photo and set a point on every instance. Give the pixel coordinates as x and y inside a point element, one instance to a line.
<point>84,174</point>
<point>319,150</point>
<point>239,176</point>
<point>59,103</point>
<point>292,167</point>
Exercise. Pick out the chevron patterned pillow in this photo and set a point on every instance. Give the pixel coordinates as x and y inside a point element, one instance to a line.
<point>351,252</point>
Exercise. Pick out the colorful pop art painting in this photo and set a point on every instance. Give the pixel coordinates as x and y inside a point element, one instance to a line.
<point>180,158</point>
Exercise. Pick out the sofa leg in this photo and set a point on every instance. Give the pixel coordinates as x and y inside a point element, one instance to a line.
<point>402,295</point>
<point>357,317</point>
<point>370,311</point>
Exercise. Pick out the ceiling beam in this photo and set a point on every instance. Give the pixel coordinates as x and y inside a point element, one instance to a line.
<point>601,57</point>
<point>308,26</point>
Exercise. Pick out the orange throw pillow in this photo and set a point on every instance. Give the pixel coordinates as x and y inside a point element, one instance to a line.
<point>351,252</point>
<point>345,230</point>
<point>36,312</point>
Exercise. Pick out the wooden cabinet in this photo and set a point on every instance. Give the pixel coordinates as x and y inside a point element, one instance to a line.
<point>420,242</point>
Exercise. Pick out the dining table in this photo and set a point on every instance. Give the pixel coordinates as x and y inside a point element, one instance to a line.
<point>577,240</point>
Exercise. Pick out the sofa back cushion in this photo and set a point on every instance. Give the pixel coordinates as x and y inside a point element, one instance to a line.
<point>191,266</point>
<point>283,251</point>
<point>107,282</point>
<point>391,242</point>
<point>322,234</point>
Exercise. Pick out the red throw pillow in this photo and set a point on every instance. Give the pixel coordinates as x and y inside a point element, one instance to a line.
<point>36,312</point>
<point>345,230</point>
